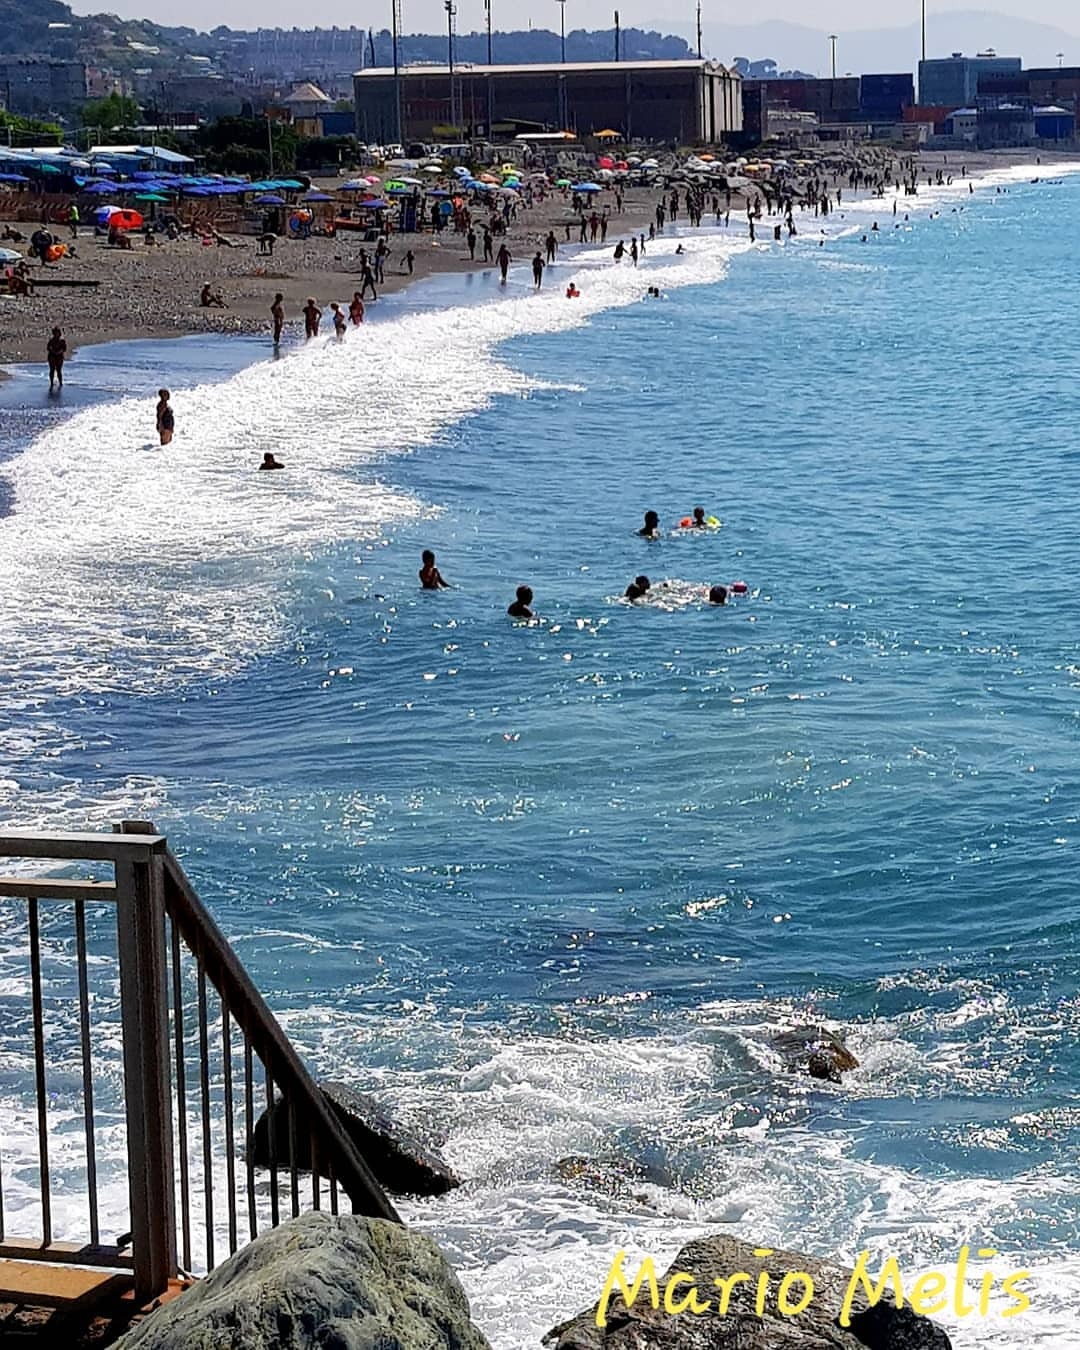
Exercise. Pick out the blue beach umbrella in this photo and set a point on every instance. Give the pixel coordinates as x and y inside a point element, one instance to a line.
<point>13,178</point>
<point>318,197</point>
<point>437,192</point>
<point>100,189</point>
<point>586,187</point>
<point>270,199</point>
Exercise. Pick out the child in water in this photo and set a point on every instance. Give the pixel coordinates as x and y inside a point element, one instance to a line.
<point>431,579</point>
<point>520,607</point>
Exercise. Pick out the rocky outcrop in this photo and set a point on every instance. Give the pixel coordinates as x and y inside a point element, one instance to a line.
<point>815,1050</point>
<point>400,1163</point>
<point>641,1327</point>
<point>320,1283</point>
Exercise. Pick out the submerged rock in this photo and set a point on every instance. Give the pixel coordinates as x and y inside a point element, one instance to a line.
<point>400,1163</point>
<point>320,1283</point>
<point>817,1051</point>
<point>613,1175</point>
<point>642,1327</point>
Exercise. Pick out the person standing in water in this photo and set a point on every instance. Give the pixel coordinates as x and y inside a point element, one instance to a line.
<point>504,260</point>
<point>56,350</point>
<point>651,528</point>
<point>271,461</point>
<point>538,269</point>
<point>166,423</point>
<point>277,314</point>
<point>520,606</point>
<point>431,579</point>
<point>312,315</point>
<point>339,320</point>
<point>356,309</point>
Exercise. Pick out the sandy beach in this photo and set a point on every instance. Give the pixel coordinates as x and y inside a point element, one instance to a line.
<point>154,292</point>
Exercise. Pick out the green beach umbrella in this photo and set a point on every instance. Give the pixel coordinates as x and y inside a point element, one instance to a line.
<point>150,197</point>
<point>394,183</point>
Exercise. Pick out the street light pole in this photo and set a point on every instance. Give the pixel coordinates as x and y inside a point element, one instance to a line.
<point>451,10</point>
<point>562,27</point>
<point>832,39</point>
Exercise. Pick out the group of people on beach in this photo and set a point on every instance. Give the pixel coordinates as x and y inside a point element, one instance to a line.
<point>432,579</point>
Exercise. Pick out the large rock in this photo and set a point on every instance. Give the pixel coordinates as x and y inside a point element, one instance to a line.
<point>323,1283</point>
<point>641,1327</point>
<point>815,1050</point>
<point>400,1163</point>
<point>613,1175</point>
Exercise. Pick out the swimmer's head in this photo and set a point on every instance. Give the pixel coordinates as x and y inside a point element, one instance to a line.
<point>278,298</point>
<point>717,595</point>
<point>524,594</point>
<point>163,393</point>
<point>427,557</point>
<point>642,583</point>
<point>699,514</point>
<point>651,520</point>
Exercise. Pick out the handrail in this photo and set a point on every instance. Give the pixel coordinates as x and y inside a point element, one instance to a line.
<point>248,1009</point>
<point>203,1055</point>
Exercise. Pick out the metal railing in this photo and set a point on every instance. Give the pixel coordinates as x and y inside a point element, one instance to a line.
<point>158,1039</point>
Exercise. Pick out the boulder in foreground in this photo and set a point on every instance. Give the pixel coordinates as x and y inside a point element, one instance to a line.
<point>400,1163</point>
<point>320,1283</point>
<point>641,1327</point>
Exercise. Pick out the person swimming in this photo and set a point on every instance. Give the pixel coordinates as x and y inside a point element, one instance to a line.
<point>519,609</point>
<point>717,595</point>
<point>270,461</point>
<point>651,528</point>
<point>431,579</point>
<point>638,588</point>
<point>699,518</point>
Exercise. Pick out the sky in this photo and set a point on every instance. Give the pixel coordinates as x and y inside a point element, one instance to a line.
<point>836,16</point>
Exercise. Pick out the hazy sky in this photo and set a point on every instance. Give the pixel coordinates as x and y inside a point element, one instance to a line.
<point>428,15</point>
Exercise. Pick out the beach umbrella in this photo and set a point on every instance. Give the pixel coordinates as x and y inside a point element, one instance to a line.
<point>99,189</point>
<point>100,167</point>
<point>562,182</point>
<point>437,192</point>
<point>318,197</point>
<point>270,199</point>
<point>49,168</point>
<point>291,183</point>
<point>412,182</point>
<point>605,162</point>
<point>393,183</point>
<point>398,192</point>
<point>432,168</point>
<point>607,135</point>
<point>8,255</point>
<point>79,163</point>
<point>150,197</point>
<point>13,178</point>
<point>586,187</point>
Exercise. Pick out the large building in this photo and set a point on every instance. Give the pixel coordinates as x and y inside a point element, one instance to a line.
<point>36,86</point>
<point>954,80</point>
<point>685,102</point>
<point>883,98</point>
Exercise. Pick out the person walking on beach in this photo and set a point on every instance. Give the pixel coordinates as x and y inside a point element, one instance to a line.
<point>356,309</point>
<point>552,245</point>
<point>312,315</point>
<point>470,239</point>
<point>56,350</point>
<point>277,314</point>
<point>367,278</point>
<point>504,259</point>
<point>489,245</point>
<point>538,269</point>
<point>382,252</point>
<point>633,251</point>
<point>431,579</point>
<point>410,260</point>
<point>73,220</point>
<point>166,423</point>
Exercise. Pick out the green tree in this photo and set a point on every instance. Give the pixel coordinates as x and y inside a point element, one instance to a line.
<point>116,110</point>
<point>16,130</point>
<point>242,145</point>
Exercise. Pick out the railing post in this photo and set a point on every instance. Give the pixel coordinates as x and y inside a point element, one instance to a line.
<point>140,916</point>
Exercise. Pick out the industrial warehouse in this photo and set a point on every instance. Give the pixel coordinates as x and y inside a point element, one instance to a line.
<point>683,102</point>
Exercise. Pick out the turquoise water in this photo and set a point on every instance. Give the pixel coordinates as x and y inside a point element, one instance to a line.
<point>551,889</point>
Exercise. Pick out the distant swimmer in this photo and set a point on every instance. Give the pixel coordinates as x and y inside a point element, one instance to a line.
<point>503,258</point>
<point>638,588</point>
<point>654,292</point>
<point>277,313</point>
<point>717,595</point>
<point>166,423</point>
<point>270,461</point>
<point>520,607</point>
<point>431,579</point>
<point>651,528</point>
<point>698,522</point>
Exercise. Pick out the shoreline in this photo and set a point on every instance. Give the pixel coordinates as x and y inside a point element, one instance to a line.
<point>153,294</point>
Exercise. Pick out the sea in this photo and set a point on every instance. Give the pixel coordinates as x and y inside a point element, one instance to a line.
<point>550,890</point>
